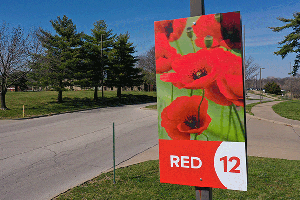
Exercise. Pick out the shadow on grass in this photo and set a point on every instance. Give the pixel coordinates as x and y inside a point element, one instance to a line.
<point>86,103</point>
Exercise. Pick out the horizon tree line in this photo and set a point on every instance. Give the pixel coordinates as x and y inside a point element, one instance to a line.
<point>67,58</point>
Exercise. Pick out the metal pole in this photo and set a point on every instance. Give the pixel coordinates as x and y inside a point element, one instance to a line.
<point>260,84</point>
<point>244,57</point>
<point>102,64</point>
<point>114,158</point>
<point>197,9</point>
<point>291,81</point>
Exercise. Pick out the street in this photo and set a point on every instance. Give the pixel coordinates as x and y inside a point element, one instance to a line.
<point>42,157</point>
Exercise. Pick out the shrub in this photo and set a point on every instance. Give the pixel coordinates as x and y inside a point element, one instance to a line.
<point>272,88</point>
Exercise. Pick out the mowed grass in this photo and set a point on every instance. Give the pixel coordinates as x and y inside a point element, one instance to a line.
<point>45,102</point>
<point>288,109</point>
<point>267,179</point>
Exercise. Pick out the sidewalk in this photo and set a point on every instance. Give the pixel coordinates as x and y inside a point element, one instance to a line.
<point>268,135</point>
<point>264,111</point>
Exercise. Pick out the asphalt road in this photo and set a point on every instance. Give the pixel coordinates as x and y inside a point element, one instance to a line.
<point>42,157</point>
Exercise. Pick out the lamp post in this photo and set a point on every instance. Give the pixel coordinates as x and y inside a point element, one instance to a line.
<point>260,84</point>
<point>256,81</point>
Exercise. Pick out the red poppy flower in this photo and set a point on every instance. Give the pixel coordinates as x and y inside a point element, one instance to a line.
<point>224,28</point>
<point>192,71</point>
<point>231,31</point>
<point>171,28</point>
<point>181,118</point>
<point>164,54</point>
<point>213,93</point>
<point>207,25</point>
<point>230,76</point>
<point>217,71</point>
<point>230,81</point>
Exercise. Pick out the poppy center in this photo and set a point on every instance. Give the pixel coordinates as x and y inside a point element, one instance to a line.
<point>232,34</point>
<point>192,122</point>
<point>198,74</point>
<point>169,29</point>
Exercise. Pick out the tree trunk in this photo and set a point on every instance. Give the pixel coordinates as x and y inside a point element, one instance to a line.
<point>3,92</point>
<point>96,93</point>
<point>60,89</point>
<point>3,104</point>
<point>119,92</point>
<point>59,98</point>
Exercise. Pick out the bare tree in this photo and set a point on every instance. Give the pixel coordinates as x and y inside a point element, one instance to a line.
<point>251,69</point>
<point>147,64</point>
<point>15,56</point>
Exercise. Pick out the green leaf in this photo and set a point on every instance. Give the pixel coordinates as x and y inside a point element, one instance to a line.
<point>225,124</point>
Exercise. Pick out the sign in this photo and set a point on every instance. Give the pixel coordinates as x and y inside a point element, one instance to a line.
<point>201,110</point>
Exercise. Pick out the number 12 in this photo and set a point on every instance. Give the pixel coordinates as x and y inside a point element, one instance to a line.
<point>237,164</point>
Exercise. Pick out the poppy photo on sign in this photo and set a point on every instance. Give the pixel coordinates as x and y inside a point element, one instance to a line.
<point>200,98</point>
<point>200,78</point>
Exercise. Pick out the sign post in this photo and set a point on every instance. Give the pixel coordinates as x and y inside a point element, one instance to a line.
<point>201,101</point>
<point>197,9</point>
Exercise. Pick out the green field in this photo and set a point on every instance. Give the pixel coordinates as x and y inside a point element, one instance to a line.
<point>45,102</point>
<point>267,179</point>
<point>288,109</point>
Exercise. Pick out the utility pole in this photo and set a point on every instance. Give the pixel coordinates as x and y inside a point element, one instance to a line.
<point>197,9</point>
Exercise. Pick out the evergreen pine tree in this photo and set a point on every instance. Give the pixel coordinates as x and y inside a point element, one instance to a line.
<point>61,55</point>
<point>291,43</point>
<point>95,56</point>
<point>122,71</point>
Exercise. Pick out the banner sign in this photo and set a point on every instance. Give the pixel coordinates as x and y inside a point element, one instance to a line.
<point>201,111</point>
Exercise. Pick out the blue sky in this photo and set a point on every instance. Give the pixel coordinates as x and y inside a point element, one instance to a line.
<point>138,16</point>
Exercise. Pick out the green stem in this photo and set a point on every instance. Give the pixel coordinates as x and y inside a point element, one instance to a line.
<point>234,125</point>
<point>229,125</point>
<point>199,110</point>
<point>222,118</point>
<point>191,94</point>
<point>193,136</point>
<point>199,107</point>
<point>172,92</point>
<point>239,119</point>
<point>192,41</point>
<point>205,136</point>
<point>178,47</point>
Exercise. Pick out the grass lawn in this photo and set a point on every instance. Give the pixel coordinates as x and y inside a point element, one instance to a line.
<point>267,179</point>
<point>45,102</point>
<point>288,109</point>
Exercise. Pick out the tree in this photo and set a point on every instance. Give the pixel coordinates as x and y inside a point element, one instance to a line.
<point>250,68</point>
<point>19,80</point>
<point>147,64</point>
<point>250,72</point>
<point>122,71</point>
<point>95,55</point>
<point>272,88</point>
<point>61,56</point>
<point>291,43</point>
<point>16,51</point>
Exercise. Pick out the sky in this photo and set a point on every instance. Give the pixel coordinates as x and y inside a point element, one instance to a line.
<point>137,18</point>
